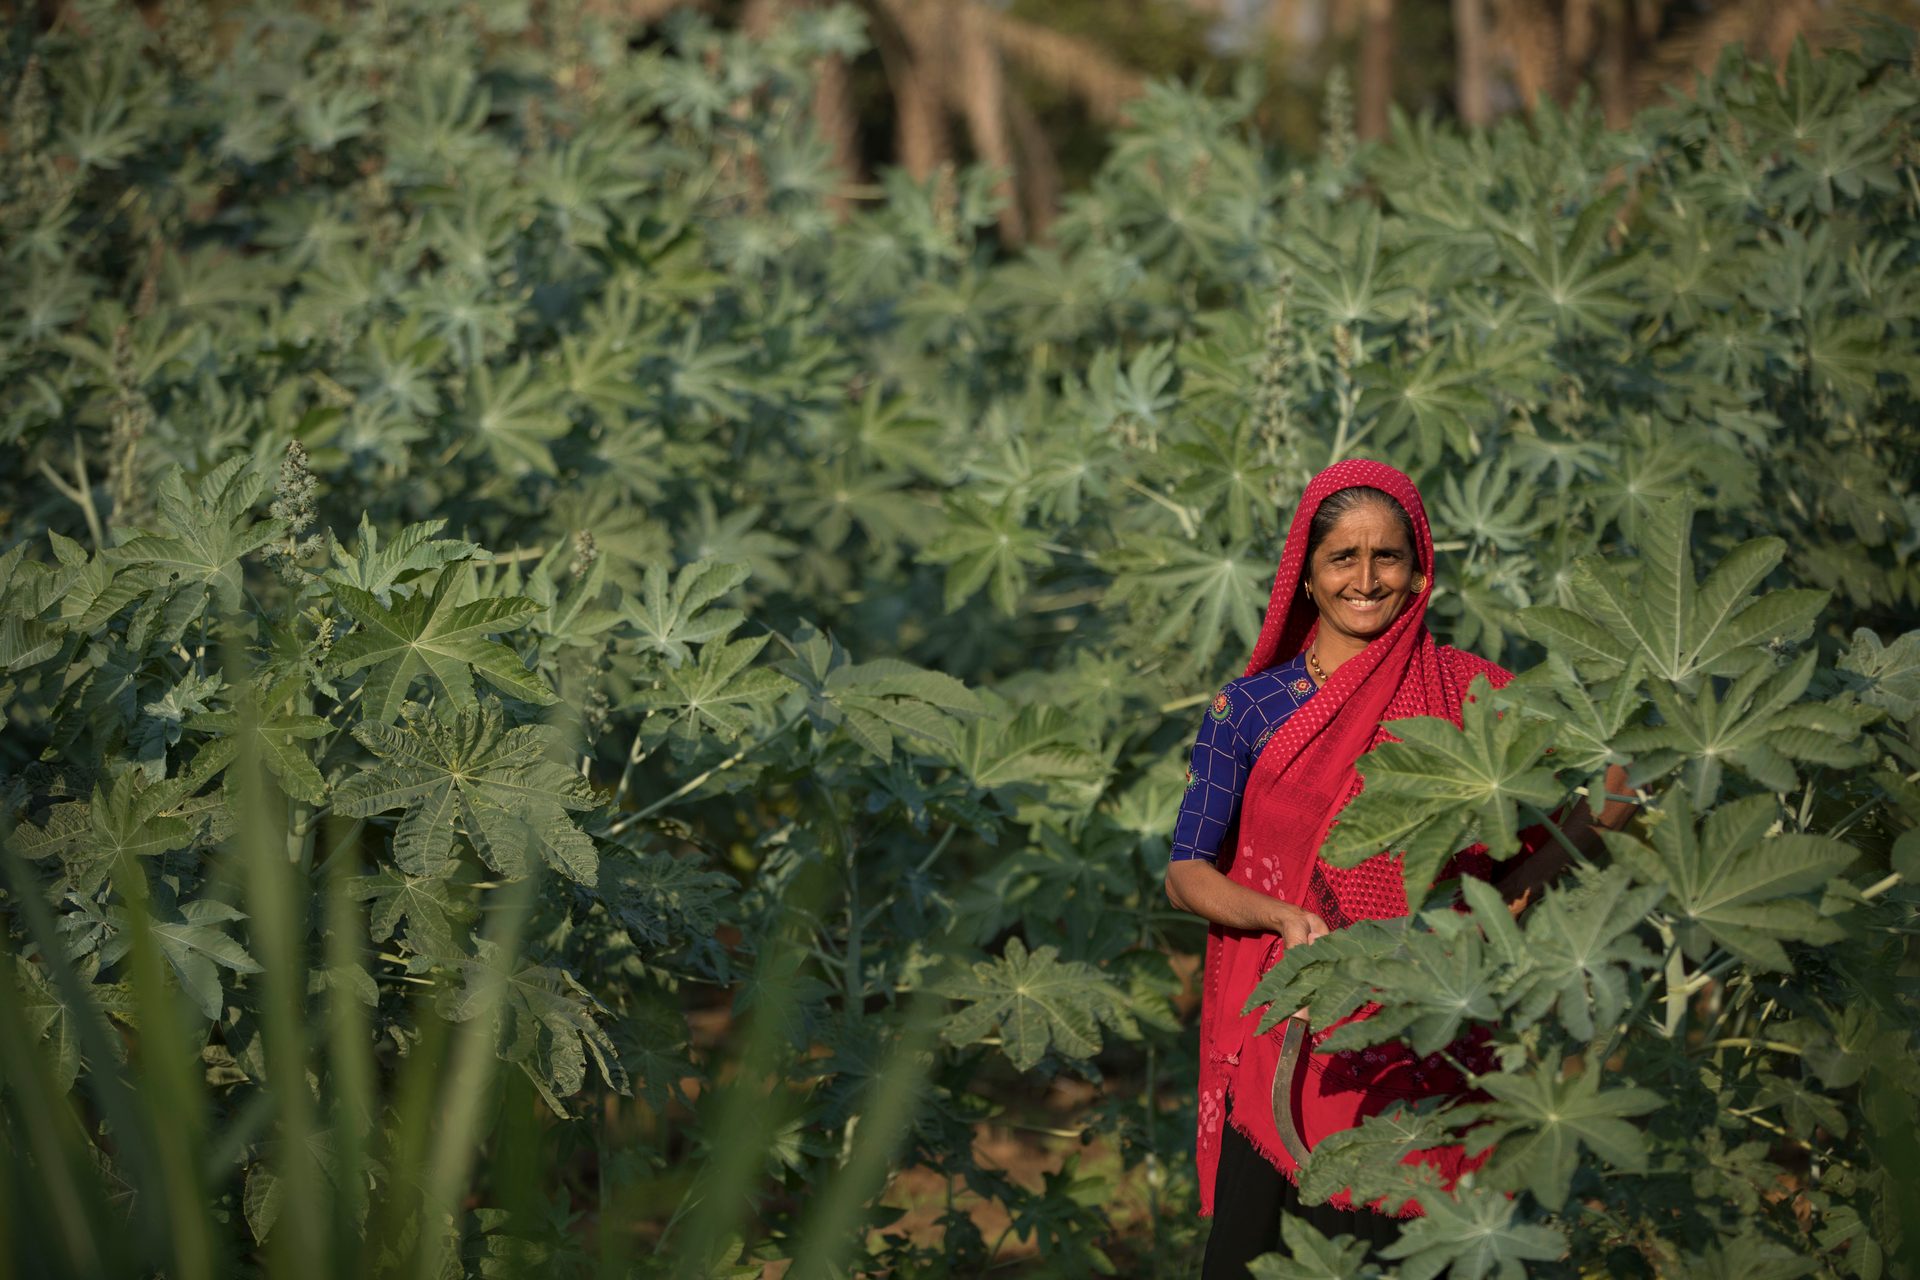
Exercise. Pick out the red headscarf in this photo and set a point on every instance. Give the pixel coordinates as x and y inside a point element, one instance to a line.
<point>1302,778</point>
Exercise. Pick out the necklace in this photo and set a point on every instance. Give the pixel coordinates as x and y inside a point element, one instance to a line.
<point>1313,665</point>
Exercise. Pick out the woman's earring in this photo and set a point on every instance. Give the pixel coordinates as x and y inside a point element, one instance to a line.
<point>1419,583</point>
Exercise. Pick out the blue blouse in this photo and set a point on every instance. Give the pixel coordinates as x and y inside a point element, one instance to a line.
<point>1237,725</point>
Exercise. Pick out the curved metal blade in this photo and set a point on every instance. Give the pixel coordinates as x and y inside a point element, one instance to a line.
<point>1292,1039</point>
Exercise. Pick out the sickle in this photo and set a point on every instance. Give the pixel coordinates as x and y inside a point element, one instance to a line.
<point>1291,1039</point>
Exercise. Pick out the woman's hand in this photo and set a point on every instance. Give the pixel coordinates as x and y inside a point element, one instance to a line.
<point>1199,887</point>
<point>1297,926</point>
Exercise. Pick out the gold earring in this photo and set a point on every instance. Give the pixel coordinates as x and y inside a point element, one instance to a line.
<point>1419,583</point>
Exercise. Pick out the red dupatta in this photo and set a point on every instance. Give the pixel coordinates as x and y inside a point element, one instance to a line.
<point>1302,778</point>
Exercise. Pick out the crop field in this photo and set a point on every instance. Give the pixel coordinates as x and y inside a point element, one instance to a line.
<point>582,701</point>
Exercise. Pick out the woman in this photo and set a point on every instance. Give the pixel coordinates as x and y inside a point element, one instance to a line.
<point>1343,649</point>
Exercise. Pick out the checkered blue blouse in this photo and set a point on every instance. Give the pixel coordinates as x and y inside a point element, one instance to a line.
<point>1236,726</point>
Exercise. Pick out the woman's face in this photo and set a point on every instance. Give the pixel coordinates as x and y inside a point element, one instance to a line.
<point>1362,573</point>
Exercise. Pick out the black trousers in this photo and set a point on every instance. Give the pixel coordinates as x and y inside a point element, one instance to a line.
<point>1250,1197</point>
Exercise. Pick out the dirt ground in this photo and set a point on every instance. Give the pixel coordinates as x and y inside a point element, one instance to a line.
<point>1026,1149</point>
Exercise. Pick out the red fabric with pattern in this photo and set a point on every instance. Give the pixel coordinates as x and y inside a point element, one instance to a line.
<point>1301,780</point>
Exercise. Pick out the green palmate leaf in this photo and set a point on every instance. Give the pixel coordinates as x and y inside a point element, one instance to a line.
<point>433,914</point>
<point>195,948</point>
<point>990,547</point>
<point>132,818</point>
<point>1227,471</point>
<point>1588,717</point>
<point>1439,396</point>
<point>28,591</point>
<point>1756,727</point>
<point>673,611</point>
<point>1888,676</point>
<point>376,567</point>
<point>1030,750</point>
<point>1728,881</point>
<point>1489,506</point>
<point>719,694</point>
<point>1195,595</point>
<point>1539,1120</point>
<point>1505,944</point>
<point>475,775</point>
<point>429,635</point>
<point>1470,1234</point>
<point>56,1024</point>
<point>1685,627</point>
<point>1572,284</point>
<point>1804,1105</point>
<point>546,1023</point>
<point>1429,990</point>
<point>1576,638</point>
<point>1312,1256</point>
<point>1441,788</point>
<point>204,530</point>
<point>573,615</point>
<point>1333,977</point>
<point>1750,1256</point>
<point>1038,1001</point>
<point>272,734</point>
<point>162,719</point>
<point>1354,280</point>
<point>515,415</point>
<point>1583,950</point>
<point>1366,1159</point>
<point>877,700</point>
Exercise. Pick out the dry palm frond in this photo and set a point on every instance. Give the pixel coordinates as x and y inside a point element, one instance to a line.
<point>1765,29</point>
<point>1528,32</point>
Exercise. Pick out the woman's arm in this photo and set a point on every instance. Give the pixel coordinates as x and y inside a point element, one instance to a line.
<point>1195,885</point>
<point>1582,830</point>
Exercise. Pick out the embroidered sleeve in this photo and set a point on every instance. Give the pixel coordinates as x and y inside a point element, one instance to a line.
<point>1216,774</point>
<point>1235,729</point>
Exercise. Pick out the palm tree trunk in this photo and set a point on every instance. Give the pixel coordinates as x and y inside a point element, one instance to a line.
<point>921,141</point>
<point>1473,86</point>
<point>1376,70</point>
<point>1616,67</point>
<point>1039,169</point>
<point>838,122</point>
<point>1530,35</point>
<point>981,92</point>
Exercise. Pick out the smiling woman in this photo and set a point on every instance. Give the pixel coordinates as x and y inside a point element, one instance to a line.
<point>1343,650</point>
<point>1360,573</point>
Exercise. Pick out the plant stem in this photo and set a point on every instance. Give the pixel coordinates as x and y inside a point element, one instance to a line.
<point>80,492</point>
<point>699,779</point>
<point>1881,886</point>
<point>1188,524</point>
<point>1579,859</point>
<point>1747,1042</point>
<point>1639,1003</point>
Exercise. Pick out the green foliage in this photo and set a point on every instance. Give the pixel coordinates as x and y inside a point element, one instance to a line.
<point>1037,1002</point>
<point>678,608</point>
<point>1440,789</point>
